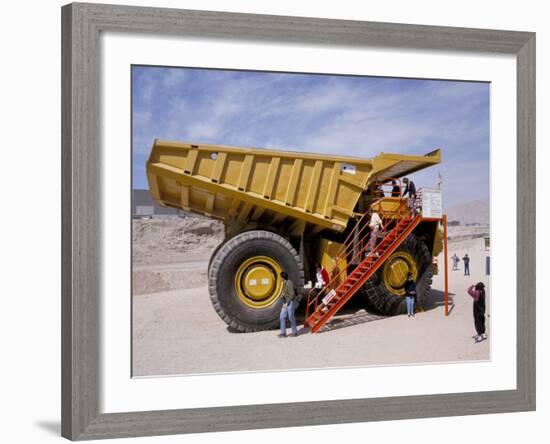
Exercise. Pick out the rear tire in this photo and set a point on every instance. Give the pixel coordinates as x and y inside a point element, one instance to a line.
<point>224,268</point>
<point>214,253</point>
<point>388,303</point>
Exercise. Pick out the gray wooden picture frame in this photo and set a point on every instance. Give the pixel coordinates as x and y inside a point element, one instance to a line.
<point>81,244</point>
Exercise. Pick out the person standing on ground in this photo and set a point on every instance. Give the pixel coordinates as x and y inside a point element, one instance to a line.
<point>410,294</point>
<point>375,226</point>
<point>466,261</point>
<point>456,260</point>
<point>289,306</point>
<point>477,292</point>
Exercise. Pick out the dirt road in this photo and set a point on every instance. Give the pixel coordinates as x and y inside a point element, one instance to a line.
<point>178,331</point>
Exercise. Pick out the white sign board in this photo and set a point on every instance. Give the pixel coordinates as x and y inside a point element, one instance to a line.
<point>432,203</point>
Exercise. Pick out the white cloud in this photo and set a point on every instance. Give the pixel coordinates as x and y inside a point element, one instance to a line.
<point>360,117</point>
<point>200,131</point>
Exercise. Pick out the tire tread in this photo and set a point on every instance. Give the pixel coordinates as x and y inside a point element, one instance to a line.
<point>389,304</point>
<point>218,258</point>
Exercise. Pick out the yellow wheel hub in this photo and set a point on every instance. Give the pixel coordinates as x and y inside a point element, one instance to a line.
<point>258,282</point>
<point>395,270</point>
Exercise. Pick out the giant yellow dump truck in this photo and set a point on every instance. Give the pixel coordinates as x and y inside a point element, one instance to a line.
<point>285,210</point>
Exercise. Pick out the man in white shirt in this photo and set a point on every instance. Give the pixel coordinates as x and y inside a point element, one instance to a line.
<point>375,226</point>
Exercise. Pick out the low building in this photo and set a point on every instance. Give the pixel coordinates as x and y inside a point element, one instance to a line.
<point>143,205</point>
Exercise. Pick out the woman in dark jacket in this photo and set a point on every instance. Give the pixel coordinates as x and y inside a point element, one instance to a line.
<point>477,292</point>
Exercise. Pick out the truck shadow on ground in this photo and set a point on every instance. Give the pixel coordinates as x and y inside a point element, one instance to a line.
<point>436,299</point>
<point>347,320</point>
<point>354,314</point>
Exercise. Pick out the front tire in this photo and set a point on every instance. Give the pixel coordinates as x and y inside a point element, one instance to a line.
<point>390,300</point>
<point>244,282</point>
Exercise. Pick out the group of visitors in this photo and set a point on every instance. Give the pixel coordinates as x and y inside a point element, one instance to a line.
<point>291,299</point>
<point>465,259</point>
<point>410,189</point>
<point>477,292</point>
<point>376,225</point>
<point>288,310</point>
<point>376,191</point>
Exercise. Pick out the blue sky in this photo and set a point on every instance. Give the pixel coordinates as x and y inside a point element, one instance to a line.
<point>355,116</point>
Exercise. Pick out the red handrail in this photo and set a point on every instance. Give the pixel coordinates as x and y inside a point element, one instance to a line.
<point>323,290</point>
<point>340,299</point>
<point>313,301</point>
<point>342,252</point>
<point>381,183</point>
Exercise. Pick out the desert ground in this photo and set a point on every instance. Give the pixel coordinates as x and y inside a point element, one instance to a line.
<point>176,331</point>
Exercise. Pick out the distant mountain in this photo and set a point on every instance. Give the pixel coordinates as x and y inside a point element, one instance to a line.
<point>475,211</point>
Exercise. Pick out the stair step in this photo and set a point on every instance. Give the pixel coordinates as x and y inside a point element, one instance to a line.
<point>321,314</point>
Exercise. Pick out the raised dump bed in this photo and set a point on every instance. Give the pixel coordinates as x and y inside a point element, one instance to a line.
<point>222,182</point>
<point>286,211</point>
<point>227,182</point>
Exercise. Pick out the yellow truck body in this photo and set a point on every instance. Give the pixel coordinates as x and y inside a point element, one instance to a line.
<point>248,184</point>
<point>289,212</point>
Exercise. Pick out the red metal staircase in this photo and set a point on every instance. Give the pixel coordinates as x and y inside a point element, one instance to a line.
<point>319,312</point>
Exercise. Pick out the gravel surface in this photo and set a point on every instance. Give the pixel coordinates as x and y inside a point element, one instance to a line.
<point>178,332</point>
<point>166,240</point>
<point>165,250</point>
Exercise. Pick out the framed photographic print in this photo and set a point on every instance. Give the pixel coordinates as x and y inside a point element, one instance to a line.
<point>251,202</point>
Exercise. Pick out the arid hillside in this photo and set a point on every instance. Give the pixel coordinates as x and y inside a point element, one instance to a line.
<point>476,211</point>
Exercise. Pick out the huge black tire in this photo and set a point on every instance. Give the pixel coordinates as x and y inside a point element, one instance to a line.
<point>385,301</point>
<point>223,269</point>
